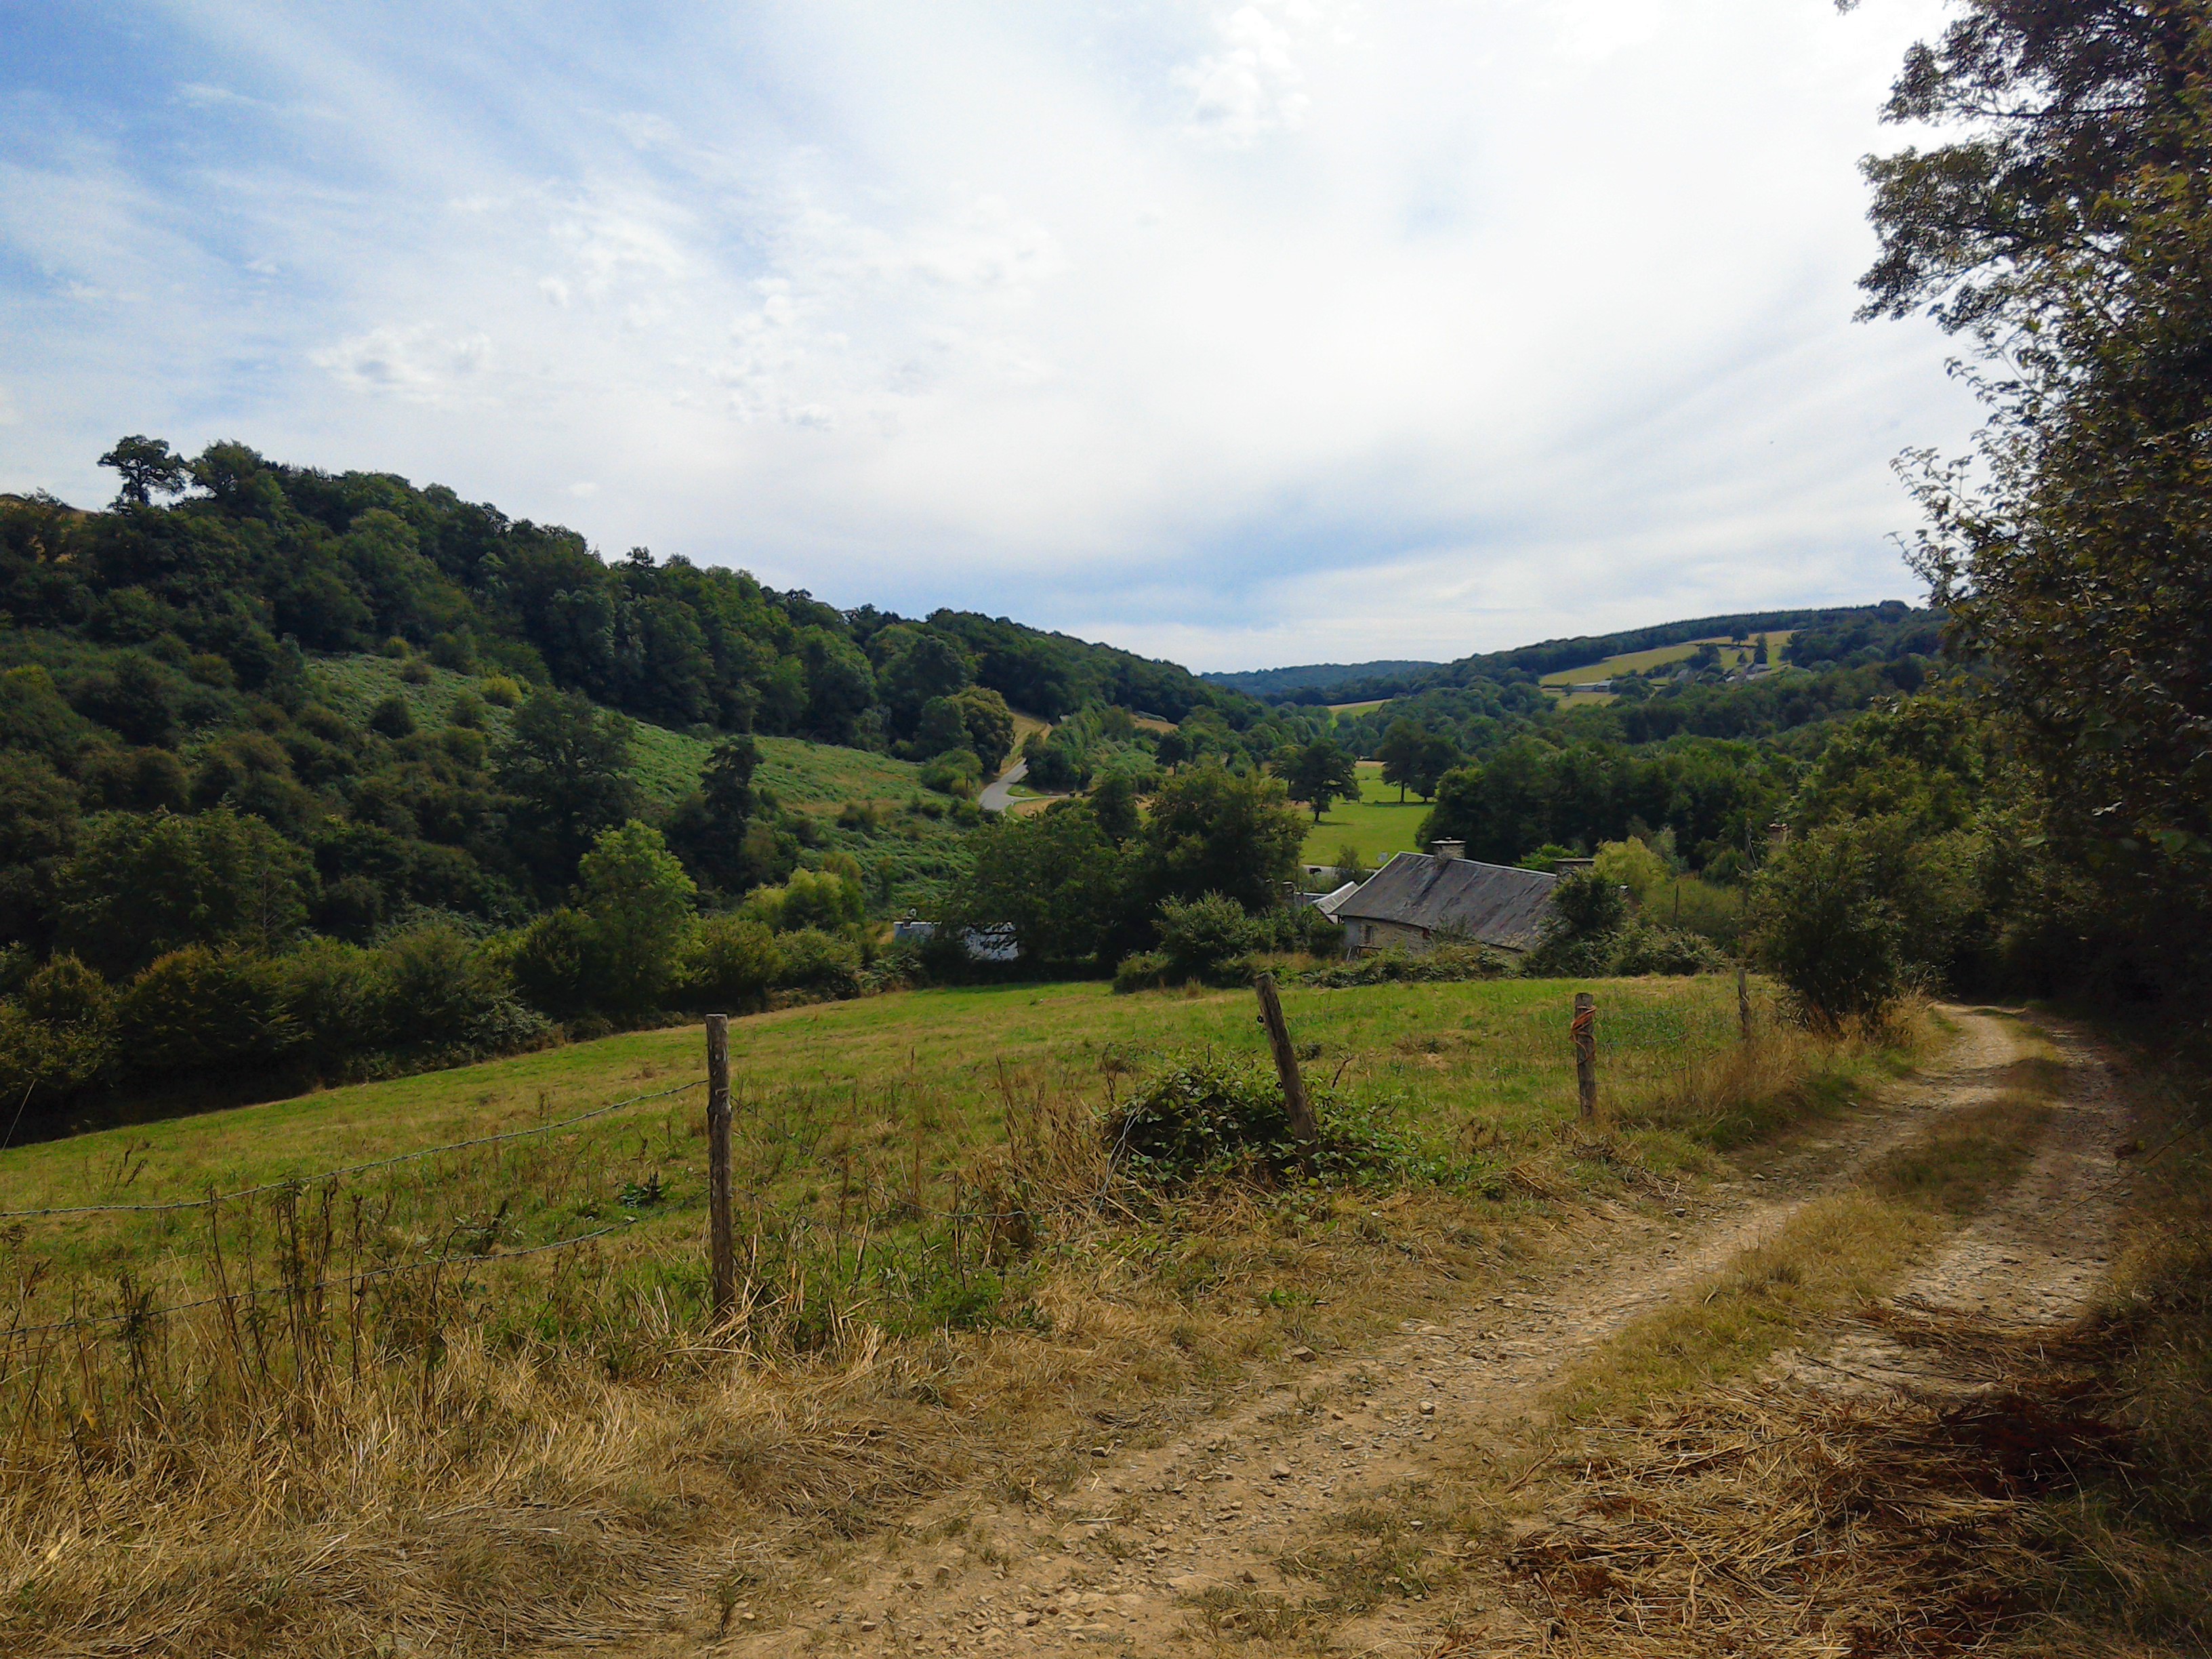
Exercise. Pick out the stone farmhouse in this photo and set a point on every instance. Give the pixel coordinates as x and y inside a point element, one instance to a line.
<point>1419,898</point>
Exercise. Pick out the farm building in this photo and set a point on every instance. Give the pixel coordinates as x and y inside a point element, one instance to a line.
<point>1418,897</point>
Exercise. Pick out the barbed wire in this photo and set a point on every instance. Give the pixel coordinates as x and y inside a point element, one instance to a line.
<point>349,1281</point>
<point>349,1169</point>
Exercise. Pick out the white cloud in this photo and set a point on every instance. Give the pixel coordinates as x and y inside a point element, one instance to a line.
<point>414,363</point>
<point>1254,83</point>
<point>1271,329</point>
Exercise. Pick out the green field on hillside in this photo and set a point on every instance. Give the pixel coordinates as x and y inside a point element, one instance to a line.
<point>801,773</point>
<point>1637,662</point>
<point>1376,824</point>
<point>908,859</point>
<point>896,1089</point>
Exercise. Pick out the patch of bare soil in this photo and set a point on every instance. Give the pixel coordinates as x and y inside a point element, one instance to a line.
<point>1179,1541</point>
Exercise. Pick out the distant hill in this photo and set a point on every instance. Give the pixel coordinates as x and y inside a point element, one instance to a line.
<point>1281,682</point>
<point>1329,682</point>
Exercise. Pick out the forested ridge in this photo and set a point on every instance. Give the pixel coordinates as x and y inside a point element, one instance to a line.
<point>252,710</point>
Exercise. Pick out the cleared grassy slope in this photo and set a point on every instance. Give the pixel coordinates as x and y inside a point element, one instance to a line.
<point>1376,824</point>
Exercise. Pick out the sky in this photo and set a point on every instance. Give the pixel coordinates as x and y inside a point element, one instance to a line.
<point>1245,334</point>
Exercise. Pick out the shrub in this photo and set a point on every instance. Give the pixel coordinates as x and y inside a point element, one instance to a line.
<point>1201,938</point>
<point>1141,970</point>
<point>829,898</point>
<point>959,774</point>
<point>59,1034</point>
<point>1213,1115</point>
<point>1446,964</point>
<point>552,963</point>
<point>732,964</point>
<point>440,992</point>
<point>1645,947</point>
<point>199,1008</point>
<point>330,993</point>
<point>500,691</point>
<point>819,961</point>
<point>1826,928</point>
<point>391,717</point>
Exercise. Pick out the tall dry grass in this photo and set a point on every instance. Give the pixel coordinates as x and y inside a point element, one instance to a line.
<point>346,1451</point>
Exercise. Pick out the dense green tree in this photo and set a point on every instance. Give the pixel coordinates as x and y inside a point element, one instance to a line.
<point>149,468</point>
<point>636,903</point>
<point>1400,752</point>
<point>1053,876</point>
<point>1826,928</point>
<point>1319,774</point>
<point>1210,830</point>
<point>2064,226</point>
<point>1114,804</point>
<point>941,729</point>
<point>567,765</point>
<point>137,886</point>
<point>990,726</point>
<point>921,665</point>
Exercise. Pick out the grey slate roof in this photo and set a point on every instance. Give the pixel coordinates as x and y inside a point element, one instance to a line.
<point>1492,902</point>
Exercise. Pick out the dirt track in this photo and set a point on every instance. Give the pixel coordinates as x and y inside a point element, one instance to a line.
<point>1118,1562</point>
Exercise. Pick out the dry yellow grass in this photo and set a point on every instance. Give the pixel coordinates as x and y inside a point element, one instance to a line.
<point>419,1466</point>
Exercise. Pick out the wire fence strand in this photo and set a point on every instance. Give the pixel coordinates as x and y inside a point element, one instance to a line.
<point>350,1169</point>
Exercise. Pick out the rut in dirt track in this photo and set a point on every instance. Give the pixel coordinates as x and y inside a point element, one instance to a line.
<point>1116,1562</point>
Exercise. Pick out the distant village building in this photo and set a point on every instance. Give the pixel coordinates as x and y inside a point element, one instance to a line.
<point>1418,898</point>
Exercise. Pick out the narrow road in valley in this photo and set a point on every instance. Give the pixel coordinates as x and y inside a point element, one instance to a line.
<point>999,794</point>
<point>1119,1562</point>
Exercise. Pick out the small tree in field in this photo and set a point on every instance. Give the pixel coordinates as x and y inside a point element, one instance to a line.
<point>1823,924</point>
<point>1320,774</point>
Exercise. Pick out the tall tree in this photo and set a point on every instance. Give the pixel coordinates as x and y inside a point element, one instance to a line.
<point>2067,229</point>
<point>1319,774</point>
<point>567,765</point>
<point>148,467</point>
<point>1400,751</point>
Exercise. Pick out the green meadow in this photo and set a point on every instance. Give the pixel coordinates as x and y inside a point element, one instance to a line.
<point>1378,823</point>
<point>904,1091</point>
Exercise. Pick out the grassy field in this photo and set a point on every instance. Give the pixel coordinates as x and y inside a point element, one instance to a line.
<point>1434,1057</point>
<point>1378,823</point>
<point>1636,662</point>
<point>945,1277</point>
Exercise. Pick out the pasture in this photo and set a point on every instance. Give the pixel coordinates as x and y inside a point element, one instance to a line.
<point>1378,823</point>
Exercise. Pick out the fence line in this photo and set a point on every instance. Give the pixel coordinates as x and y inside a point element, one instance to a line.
<point>349,1281</point>
<point>349,1169</point>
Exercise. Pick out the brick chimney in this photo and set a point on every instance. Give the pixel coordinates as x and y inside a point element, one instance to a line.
<point>1448,850</point>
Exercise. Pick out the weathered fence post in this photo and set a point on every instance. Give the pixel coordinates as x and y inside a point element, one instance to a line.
<point>1287,1064</point>
<point>721,1241</point>
<point>1743,1000</point>
<point>1585,1036</point>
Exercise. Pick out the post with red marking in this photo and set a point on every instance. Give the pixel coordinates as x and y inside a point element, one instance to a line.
<point>1585,1035</point>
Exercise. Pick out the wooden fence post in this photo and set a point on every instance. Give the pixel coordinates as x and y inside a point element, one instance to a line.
<point>721,1241</point>
<point>1743,1000</point>
<point>1287,1064</point>
<point>1585,1036</point>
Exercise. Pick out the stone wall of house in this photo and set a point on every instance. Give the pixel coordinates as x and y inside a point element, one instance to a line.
<point>1364,938</point>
